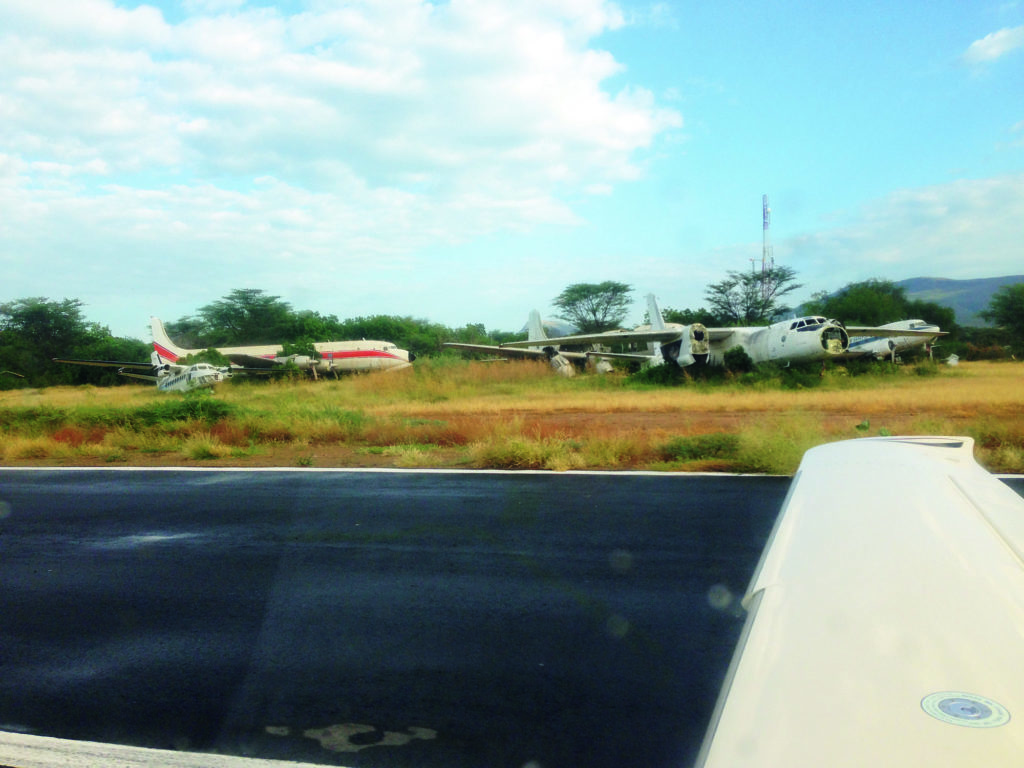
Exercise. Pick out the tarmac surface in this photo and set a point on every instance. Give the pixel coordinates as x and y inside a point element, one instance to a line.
<point>375,618</point>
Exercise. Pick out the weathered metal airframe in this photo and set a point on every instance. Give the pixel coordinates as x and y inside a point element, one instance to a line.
<point>335,356</point>
<point>799,340</point>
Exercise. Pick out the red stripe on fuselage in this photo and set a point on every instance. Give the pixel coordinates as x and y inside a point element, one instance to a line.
<point>342,354</point>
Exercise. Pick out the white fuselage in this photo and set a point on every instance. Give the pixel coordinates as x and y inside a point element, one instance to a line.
<point>338,356</point>
<point>883,347</point>
<point>800,340</point>
<point>195,376</point>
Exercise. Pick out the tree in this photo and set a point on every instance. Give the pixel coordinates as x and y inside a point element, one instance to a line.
<point>594,307</point>
<point>689,316</point>
<point>35,330</point>
<point>870,302</point>
<point>751,298</point>
<point>244,316</point>
<point>415,334</point>
<point>876,302</point>
<point>1006,309</point>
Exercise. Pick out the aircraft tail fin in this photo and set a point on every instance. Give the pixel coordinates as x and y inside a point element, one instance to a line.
<point>535,328</point>
<point>162,344</point>
<point>654,313</point>
<point>657,323</point>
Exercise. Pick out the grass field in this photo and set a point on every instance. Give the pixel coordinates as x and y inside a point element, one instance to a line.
<point>448,413</point>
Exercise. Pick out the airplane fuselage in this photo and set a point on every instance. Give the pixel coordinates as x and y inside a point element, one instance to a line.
<point>883,347</point>
<point>194,377</point>
<point>336,356</point>
<point>800,340</point>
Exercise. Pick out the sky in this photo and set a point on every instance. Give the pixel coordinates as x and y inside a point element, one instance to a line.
<point>465,161</point>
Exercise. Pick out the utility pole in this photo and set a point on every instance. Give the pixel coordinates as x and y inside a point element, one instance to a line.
<point>767,259</point>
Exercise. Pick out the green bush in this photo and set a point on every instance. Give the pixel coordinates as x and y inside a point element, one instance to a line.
<point>665,375</point>
<point>39,418</point>
<point>194,406</point>
<point>719,445</point>
<point>737,360</point>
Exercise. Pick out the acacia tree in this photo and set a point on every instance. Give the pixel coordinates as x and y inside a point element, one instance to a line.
<point>1006,309</point>
<point>751,298</point>
<point>244,316</point>
<point>594,307</point>
<point>248,316</point>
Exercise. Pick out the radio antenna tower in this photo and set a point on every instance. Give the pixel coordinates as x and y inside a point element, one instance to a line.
<point>767,259</point>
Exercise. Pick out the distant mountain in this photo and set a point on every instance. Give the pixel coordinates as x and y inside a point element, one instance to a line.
<point>965,297</point>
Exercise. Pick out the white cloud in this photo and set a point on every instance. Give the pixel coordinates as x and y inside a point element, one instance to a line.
<point>139,149</point>
<point>1018,133</point>
<point>501,103</point>
<point>83,23</point>
<point>995,45</point>
<point>965,229</point>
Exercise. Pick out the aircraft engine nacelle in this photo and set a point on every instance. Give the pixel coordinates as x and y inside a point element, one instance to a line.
<point>699,342</point>
<point>560,364</point>
<point>693,341</point>
<point>303,362</point>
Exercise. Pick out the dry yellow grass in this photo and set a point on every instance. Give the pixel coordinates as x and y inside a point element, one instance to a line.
<point>523,415</point>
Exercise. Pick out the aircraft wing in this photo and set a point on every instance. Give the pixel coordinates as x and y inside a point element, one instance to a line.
<point>490,349</point>
<point>608,337</point>
<point>106,363</point>
<point>719,334</point>
<point>507,351</point>
<point>886,333</point>
<point>637,356</point>
<point>252,361</point>
<point>885,626</point>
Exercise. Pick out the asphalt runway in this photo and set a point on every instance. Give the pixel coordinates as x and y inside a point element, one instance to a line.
<point>376,618</point>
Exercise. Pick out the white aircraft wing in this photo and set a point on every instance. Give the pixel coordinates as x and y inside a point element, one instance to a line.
<point>106,363</point>
<point>490,349</point>
<point>608,337</point>
<point>252,361</point>
<point>720,334</point>
<point>637,356</point>
<point>859,330</point>
<point>506,351</point>
<point>885,625</point>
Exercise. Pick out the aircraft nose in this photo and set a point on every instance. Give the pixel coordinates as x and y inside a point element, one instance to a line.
<point>412,356</point>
